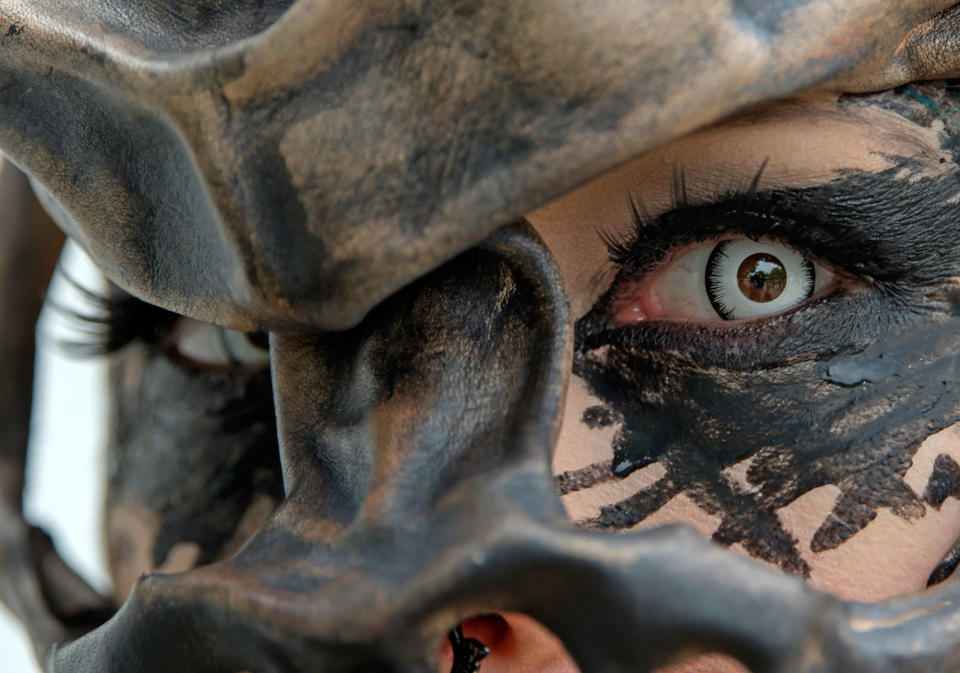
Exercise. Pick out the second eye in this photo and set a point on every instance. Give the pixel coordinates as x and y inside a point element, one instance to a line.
<point>733,279</point>
<point>210,347</point>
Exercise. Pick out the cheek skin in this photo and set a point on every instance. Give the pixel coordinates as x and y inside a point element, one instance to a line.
<point>889,557</point>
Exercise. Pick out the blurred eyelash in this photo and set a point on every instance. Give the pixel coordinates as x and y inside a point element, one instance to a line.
<point>110,320</point>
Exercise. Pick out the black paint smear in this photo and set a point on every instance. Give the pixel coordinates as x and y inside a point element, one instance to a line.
<point>586,477</point>
<point>944,481</point>
<point>803,397</point>
<point>597,417</point>
<point>947,565</point>
<point>636,508</point>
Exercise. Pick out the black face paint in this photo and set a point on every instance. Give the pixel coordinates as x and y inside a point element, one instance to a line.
<point>597,417</point>
<point>840,391</point>
<point>944,483</point>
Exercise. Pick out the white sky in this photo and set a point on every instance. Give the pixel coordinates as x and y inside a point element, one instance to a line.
<point>66,471</point>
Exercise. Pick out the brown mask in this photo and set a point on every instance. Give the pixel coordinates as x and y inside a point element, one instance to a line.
<point>341,174</point>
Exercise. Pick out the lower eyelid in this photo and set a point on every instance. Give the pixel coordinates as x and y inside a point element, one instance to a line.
<point>819,326</point>
<point>622,315</point>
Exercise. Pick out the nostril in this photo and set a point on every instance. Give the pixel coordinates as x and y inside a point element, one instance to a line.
<point>516,643</point>
<point>489,629</point>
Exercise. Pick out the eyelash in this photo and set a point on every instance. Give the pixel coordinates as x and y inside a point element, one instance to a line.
<point>755,215</point>
<point>818,326</point>
<point>114,320</point>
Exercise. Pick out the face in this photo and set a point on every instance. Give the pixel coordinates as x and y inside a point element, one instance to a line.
<point>765,342</point>
<point>806,434</point>
<point>749,329</point>
<point>783,425</point>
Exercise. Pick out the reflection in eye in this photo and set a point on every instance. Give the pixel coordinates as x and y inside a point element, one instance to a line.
<point>731,279</point>
<point>211,346</point>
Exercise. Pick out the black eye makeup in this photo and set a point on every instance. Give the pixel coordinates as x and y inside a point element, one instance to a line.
<point>762,277</point>
<point>837,384</point>
<point>190,403</point>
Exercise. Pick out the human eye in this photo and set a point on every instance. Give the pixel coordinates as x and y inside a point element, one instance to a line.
<point>730,279</point>
<point>103,322</point>
<point>746,351</point>
<point>756,278</point>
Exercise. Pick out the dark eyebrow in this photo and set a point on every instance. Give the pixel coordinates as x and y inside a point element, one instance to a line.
<point>896,228</point>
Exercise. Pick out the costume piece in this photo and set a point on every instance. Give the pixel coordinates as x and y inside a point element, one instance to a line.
<point>320,170</point>
<point>384,136</point>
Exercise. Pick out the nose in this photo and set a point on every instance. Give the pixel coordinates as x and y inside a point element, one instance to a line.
<point>455,381</point>
<point>415,451</point>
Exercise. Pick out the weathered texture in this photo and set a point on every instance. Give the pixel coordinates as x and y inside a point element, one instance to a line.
<point>314,168</point>
<point>384,136</point>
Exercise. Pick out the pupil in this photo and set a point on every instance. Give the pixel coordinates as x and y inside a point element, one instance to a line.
<point>761,277</point>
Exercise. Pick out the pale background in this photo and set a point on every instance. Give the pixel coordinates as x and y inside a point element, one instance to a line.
<point>66,470</point>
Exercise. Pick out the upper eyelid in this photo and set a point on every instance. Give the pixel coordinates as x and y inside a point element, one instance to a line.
<point>676,253</point>
<point>647,249</point>
<point>898,235</point>
<point>880,227</point>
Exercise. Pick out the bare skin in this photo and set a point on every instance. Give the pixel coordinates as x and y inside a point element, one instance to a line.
<point>804,142</point>
<point>808,145</point>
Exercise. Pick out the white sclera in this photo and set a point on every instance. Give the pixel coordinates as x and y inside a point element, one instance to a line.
<point>213,345</point>
<point>242,349</point>
<point>681,285</point>
<point>681,288</point>
<point>723,288</point>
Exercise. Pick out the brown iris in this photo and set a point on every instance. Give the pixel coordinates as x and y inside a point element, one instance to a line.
<point>761,277</point>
